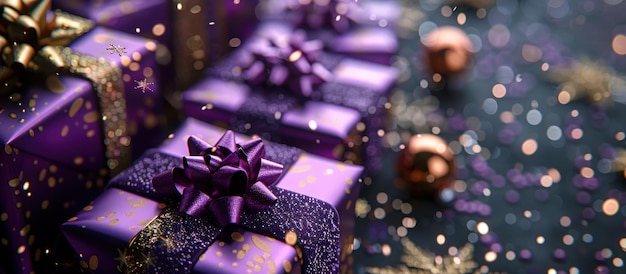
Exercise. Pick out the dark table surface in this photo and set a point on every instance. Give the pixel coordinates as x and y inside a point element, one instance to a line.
<point>558,208</point>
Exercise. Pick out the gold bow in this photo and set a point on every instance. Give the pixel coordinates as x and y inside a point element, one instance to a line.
<point>28,40</point>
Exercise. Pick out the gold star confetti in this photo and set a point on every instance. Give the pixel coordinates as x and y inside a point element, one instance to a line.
<point>147,261</point>
<point>116,49</point>
<point>143,85</point>
<point>419,261</point>
<point>123,258</point>
<point>587,78</point>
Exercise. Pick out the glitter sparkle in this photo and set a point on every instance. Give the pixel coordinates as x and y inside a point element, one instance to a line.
<point>123,259</point>
<point>116,49</point>
<point>143,85</point>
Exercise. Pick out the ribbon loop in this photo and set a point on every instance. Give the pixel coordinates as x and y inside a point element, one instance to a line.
<point>290,62</point>
<point>221,180</point>
<point>24,27</point>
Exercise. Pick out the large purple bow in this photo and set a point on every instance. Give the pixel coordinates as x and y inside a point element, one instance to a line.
<point>222,180</point>
<point>290,62</point>
<point>317,14</point>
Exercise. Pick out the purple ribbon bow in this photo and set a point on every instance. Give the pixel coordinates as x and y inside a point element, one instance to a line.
<point>222,180</point>
<point>288,62</point>
<point>317,14</point>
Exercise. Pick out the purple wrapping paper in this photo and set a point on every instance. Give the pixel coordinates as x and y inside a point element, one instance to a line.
<point>366,84</point>
<point>377,45</point>
<point>317,127</point>
<point>356,84</point>
<point>53,147</point>
<point>251,251</point>
<point>35,187</point>
<point>144,107</point>
<point>148,18</point>
<point>371,35</point>
<point>102,230</point>
<point>192,34</point>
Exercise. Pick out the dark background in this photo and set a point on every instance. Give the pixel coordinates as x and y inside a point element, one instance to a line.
<point>502,184</point>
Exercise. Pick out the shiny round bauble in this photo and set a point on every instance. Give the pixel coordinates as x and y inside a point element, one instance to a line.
<point>426,165</point>
<point>448,51</point>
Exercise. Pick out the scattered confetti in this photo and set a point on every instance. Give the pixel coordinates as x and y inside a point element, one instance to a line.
<point>116,49</point>
<point>144,85</point>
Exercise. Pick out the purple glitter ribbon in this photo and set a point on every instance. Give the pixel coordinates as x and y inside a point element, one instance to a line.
<point>291,63</point>
<point>222,180</point>
<point>218,187</point>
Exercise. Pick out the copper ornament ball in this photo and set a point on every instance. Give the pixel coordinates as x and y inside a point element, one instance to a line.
<point>448,51</point>
<point>426,165</point>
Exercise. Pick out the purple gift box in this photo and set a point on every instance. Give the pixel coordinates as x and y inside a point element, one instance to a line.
<point>55,140</point>
<point>192,34</point>
<point>326,77</point>
<point>140,76</point>
<point>103,229</point>
<point>365,29</point>
<point>320,128</point>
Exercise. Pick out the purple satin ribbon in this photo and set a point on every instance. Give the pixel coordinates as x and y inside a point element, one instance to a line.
<point>291,63</point>
<point>221,180</point>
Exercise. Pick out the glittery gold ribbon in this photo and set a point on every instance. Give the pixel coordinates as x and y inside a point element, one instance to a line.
<point>31,44</point>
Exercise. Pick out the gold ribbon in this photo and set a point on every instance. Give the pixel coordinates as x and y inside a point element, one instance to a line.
<point>29,43</point>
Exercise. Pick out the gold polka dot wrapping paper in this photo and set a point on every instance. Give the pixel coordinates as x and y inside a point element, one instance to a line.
<point>191,35</point>
<point>62,135</point>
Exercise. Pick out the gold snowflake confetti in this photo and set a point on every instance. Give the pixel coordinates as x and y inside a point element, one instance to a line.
<point>123,258</point>
<point>147,260</point>
<point>143,85</point>
<point>587,78</point>
<point>419,261</point>
<point>116,49</point>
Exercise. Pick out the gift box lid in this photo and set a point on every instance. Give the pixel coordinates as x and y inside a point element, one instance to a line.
<point>222,94</point>
<point>331,120</point>
<point>365,74</point>
<point>364,40</point>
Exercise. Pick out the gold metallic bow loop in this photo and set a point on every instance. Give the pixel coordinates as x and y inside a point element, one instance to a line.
<point>28,39</point>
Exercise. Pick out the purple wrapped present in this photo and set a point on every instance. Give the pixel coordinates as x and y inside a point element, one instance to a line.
<point>192,34</point>
<point>320,128</point>
<point>279,61</point>
<point>140,75</point>
<point>363,29</point>
<point>63,127</point>
<point>144,219</point>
